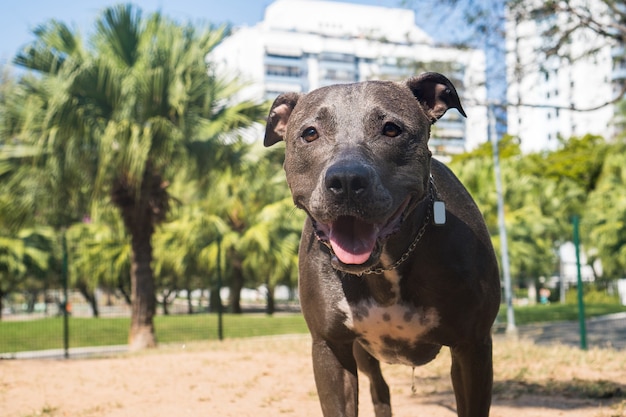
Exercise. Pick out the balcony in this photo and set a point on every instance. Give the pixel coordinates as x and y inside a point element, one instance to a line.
<point>618,74</point>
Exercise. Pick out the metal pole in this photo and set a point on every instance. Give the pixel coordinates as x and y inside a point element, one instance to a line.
<point>220,322</point>
<point>561,281</point>
<point>504,249</point>
<point>581,303</point>
<point>64,277</point>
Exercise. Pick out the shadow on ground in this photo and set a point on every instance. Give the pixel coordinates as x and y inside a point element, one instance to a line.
<point>576,388</point>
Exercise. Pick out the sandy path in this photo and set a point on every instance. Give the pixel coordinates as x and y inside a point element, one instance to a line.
<point>263,377</point>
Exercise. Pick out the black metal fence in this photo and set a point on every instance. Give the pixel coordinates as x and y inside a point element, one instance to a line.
<point>45,326</point>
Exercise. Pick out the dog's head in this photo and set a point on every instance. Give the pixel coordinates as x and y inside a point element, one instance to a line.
<point>357,158</point>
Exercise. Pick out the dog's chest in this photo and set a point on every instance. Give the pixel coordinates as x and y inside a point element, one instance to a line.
<point>394,333</point>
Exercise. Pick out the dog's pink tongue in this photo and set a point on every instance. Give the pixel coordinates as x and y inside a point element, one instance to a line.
<point>352,240</point>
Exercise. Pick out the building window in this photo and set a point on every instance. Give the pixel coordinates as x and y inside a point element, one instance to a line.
<point>276,56</point>
<point>333,74</point>
<point>336,57</point>
<point>283,71</point>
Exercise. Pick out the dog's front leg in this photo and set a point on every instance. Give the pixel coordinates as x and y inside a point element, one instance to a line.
<point>336,378</point>
<point>472,378</point>
<point>379,389</point>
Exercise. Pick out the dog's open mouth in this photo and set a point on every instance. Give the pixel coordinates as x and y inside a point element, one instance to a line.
<point>353,240</point>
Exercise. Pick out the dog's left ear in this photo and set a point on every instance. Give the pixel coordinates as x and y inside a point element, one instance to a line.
<point>276,126</point>
<point>436,94</point>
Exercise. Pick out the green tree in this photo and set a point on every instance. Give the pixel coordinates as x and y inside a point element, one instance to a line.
<point>271,247</point>
<point>24,260</point>
<point>530,248</point>
<point>605,214</point>
<point>124,113</point>
<point>99,256</point>
<point>185,251</point>
<point>530,207</point>
<point>542,191</point>
<point>249,205</point>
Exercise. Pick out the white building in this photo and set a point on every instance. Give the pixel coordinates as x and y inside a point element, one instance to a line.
<point>541,95</point>
<point>305,44</point>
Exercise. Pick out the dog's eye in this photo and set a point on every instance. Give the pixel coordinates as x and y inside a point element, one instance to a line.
<point>310,134</point>
<point>391,130</point>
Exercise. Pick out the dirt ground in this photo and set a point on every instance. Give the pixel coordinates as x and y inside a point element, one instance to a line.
<point>269,377</point>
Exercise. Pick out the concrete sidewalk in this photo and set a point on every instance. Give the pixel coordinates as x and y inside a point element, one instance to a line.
<point>74,353</point>
<point>602,332</point>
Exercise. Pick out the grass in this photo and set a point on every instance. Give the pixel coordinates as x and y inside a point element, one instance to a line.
<point>523,368</point>
<point>558,312</point>
<point>47,333</point>
<point>523,371</point>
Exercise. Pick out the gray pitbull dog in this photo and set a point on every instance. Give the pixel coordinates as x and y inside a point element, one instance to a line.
<point>387,273</point>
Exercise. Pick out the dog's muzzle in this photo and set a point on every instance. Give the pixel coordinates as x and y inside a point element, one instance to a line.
<point>355,243</point>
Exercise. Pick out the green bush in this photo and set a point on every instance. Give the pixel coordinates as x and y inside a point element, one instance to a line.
<point>592,296</point>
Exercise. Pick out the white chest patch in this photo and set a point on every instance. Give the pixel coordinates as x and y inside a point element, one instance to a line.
<point>390,333</point>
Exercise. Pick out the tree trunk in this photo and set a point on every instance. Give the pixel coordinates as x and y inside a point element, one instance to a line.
<point>142,294</point>
<point>125,294</point>
<point>271,305</point>
<point>189,304</point>
<point>215,301</point>
<point>166,311</point>
<point>166,295</point>
<point>31,299</point>
<point>90,296</point>
<point>141,210</point>
<point>236,285</point>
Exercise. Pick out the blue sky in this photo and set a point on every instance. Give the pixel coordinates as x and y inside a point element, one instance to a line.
<point>19,17</point>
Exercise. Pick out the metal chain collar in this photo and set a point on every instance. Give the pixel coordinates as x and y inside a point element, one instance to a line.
<point>413,244</point>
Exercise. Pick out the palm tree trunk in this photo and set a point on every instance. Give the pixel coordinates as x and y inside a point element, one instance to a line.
<point>166,301</point>
<point>142,291</point>
<point>189,304</point>
<point>90,296</point>
<point>271,305</point>
<point>124,291</point>
<point>215,301</point>
<point>140,212</point>
<point>236,285</point>
<point>236,282</point>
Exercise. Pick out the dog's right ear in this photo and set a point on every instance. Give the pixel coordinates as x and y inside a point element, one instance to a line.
<point>436,94</point>
<point>276,126</point>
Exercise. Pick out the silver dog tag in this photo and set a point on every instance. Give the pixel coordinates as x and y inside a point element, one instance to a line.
<point>439,213</point>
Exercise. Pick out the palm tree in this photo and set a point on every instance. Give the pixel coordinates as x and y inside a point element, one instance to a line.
<point>531,228</point>
<point>271,247</point>
<point>241,197</point>
<point>99,256</point>
<point>129,110</point>
<point>24,256</point>
<point>185,249</point>
<point>605,214</point>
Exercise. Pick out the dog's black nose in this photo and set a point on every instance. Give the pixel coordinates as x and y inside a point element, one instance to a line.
<point>347,179</point>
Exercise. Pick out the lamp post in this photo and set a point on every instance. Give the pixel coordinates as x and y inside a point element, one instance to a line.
<point>64,276</point>
<point>504,248</point>
<point>220,313</point>
<point>581,303</point>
